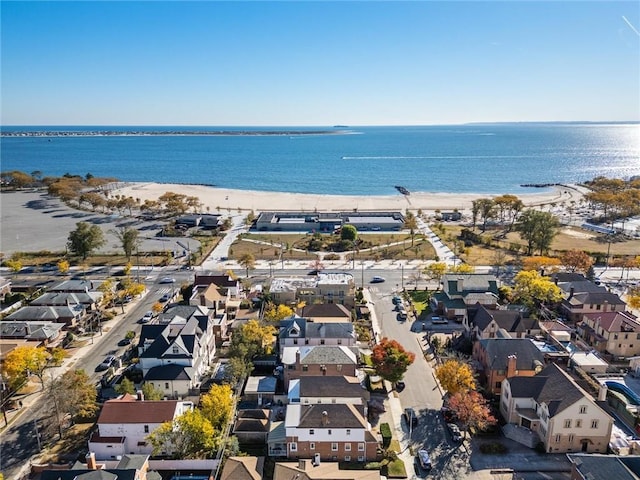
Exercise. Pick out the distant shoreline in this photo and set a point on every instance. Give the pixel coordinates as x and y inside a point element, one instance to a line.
<point>167,133</point>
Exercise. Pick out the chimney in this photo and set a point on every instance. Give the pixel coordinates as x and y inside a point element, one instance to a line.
<point>325,418</point>
<point>91,461</point>
<point>555,280</point>
<point>605,306</point>
<point>302,464</point>
<point>140,396</point>
<point>602,393</point>
<point>571,290</point>
<point>512,361</point>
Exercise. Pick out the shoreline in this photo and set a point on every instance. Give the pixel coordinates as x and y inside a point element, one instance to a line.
<point>220,200</point>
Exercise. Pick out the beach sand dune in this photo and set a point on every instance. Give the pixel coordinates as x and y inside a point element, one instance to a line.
<point>216,199</point>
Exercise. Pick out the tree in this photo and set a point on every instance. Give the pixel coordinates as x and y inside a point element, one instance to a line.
<point>190,435</point>
<point>463,268</point>
<point>23,361</point>
<point>538,229</point>
<point>349,233</point>
<point>217,406</point>
<point>391,360</point>
<point>57,356</point>
<point>275,313</point>
<point>532,289</point>
<point>540,263</point>
<point>248,261</point>
<point>472,410</point>
<point>14,264</point>
<point>411,224</point>
<point>150,392</point>
<point>436,270</point>
<point>77,394</point>
<point>576,261</point>
<point>455,376</point>
<point>85,239</point>
<point>126,386</point>
<point>485,207</point>
<point>63,266</point>
<point>128,239</point>
<point>238,367</point>
<point>251,339</point>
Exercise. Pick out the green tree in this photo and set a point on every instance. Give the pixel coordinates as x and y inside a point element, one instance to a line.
<point>349,233</point>
<point>411,224</point>
<point>248,261</point>
<point>129,239</point>
<point>486,209</point>
<point>391,360</point>
<point>150,392</point>
<point>23,361</point>
<point>85,239</point>
<point>455,376</point>
<point>252,339</point>
<point>126,386</point>
<point>532,289</point>
<point>238,367</point>
<point>190,435</point>
<point>538,229</point>
<point>217,406</point>
<point>472,410</point>
<point>76,395</point>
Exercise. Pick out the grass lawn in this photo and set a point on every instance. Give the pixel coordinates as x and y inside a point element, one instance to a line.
<point>394,469</point>
<point>420,300</point>
<point>567,239</point>
<point>73,443</point>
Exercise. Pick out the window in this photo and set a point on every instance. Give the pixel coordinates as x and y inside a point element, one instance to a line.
<point>339,368</point>
<point>347,447</point>
<point>175,350</point>
<point>322,341</point>
<point>311,431</point>
<point>583,409</point>
<point>498,384</point>
<point>567,424</point>
<point>594,423</point>
<point>334,446</point>
<point>571,438</point>
<point>305,368</point>
<point>558,438</point>
<point>615,336</point>
<point>166,385</point>
<point>361,458</point>
<point>347,458</point>
<point>626,336</point>
<point>146,429</point>
<point>293,446</point>
<point>501,372</point>
<point>306,341</point>
<point>339,341</point>
<point>361,447</point>
<point>312,446</point>
<point>329,432</point>
<point>295,341</point>
<point>348,431</point>
<point>578,423</point>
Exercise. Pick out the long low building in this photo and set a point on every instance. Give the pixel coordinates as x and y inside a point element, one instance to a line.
<point>324,287</point>
<point>328,222</point>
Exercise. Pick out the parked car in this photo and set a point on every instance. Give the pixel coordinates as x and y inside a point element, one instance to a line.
<point>165,298</point>
<point>124,342</point>
<point>402,315</point>
<point>455,432</point>
<point>147,317</point>
<point>410,417</point>
<point>167,280</point>
<point>400,386</point>
<point>106,363</point>
<point>396,300</point>
<point>423,459</point>
<point>377,279</point>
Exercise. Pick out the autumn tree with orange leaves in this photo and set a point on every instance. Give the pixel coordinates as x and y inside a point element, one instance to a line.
<point>391,360</point>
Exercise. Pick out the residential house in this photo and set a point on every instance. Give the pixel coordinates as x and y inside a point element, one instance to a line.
<point>175,355</point>
<point>326,313</point>
<point>210,296</point>
<point>67,315</point>
<point>460,292</point>
<point>604,467</point>
<point>615,333</point>
<point>580,296</point>
<point>328,389</point>
<point>129,467</point>
<point>125,423</point>
<point>331,431</point>
<point>260,389</point>
<point>501,358</point>
<point>76,286</point>
<point>305,469</point>
<point>300,331</point>
<point>562,415</point>
<point>88,300</point>
<point>485,323</point>
<point>589,362</point>
<point>44,333</point>
<point>230,290</point>
<point>5,287</point>
<point>243,468</point>
<point>252,426</point>
<point>322,360</point>
<point>324,287</point>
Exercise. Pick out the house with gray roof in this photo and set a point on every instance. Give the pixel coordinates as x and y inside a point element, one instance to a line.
<point>175,354</point>
<point>554,410</point>
<point>76,286</point>
<point>300,331</point>
<point>322,360</point>
<point>581,296</point>
<point>88,300</point>
<point>327,389</point>
<point>461,291</point>
<point>65,314</point>
<point>500,358</point>
<point>485,323</point>
<point>335,432</point>
<point>326,312</point>
<point>604,467</point>
<point>44,333</point>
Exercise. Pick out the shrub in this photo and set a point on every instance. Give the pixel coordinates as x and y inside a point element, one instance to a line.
<point>385,431</point>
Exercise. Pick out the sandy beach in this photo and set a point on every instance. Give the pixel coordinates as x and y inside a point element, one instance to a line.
<point>216,199</point>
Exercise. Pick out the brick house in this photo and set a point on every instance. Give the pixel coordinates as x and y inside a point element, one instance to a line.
<point>485,323</point>
<point>318,360</point>
<point>332,431</point>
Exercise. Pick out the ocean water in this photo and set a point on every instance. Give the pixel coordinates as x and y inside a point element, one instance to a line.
<point>482,158</point>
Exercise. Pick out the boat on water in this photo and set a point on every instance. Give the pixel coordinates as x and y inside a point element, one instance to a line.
<point>402,190</point>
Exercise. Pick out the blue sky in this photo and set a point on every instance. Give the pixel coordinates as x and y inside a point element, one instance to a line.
<point>318,63</point>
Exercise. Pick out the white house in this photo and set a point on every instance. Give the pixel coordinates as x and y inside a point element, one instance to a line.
<point>299,331</point>
<point>554,408</point>
<point>125,423</point>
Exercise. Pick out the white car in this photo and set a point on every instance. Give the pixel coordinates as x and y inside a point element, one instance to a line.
<point>167,280</point>
<point>147,317</point>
